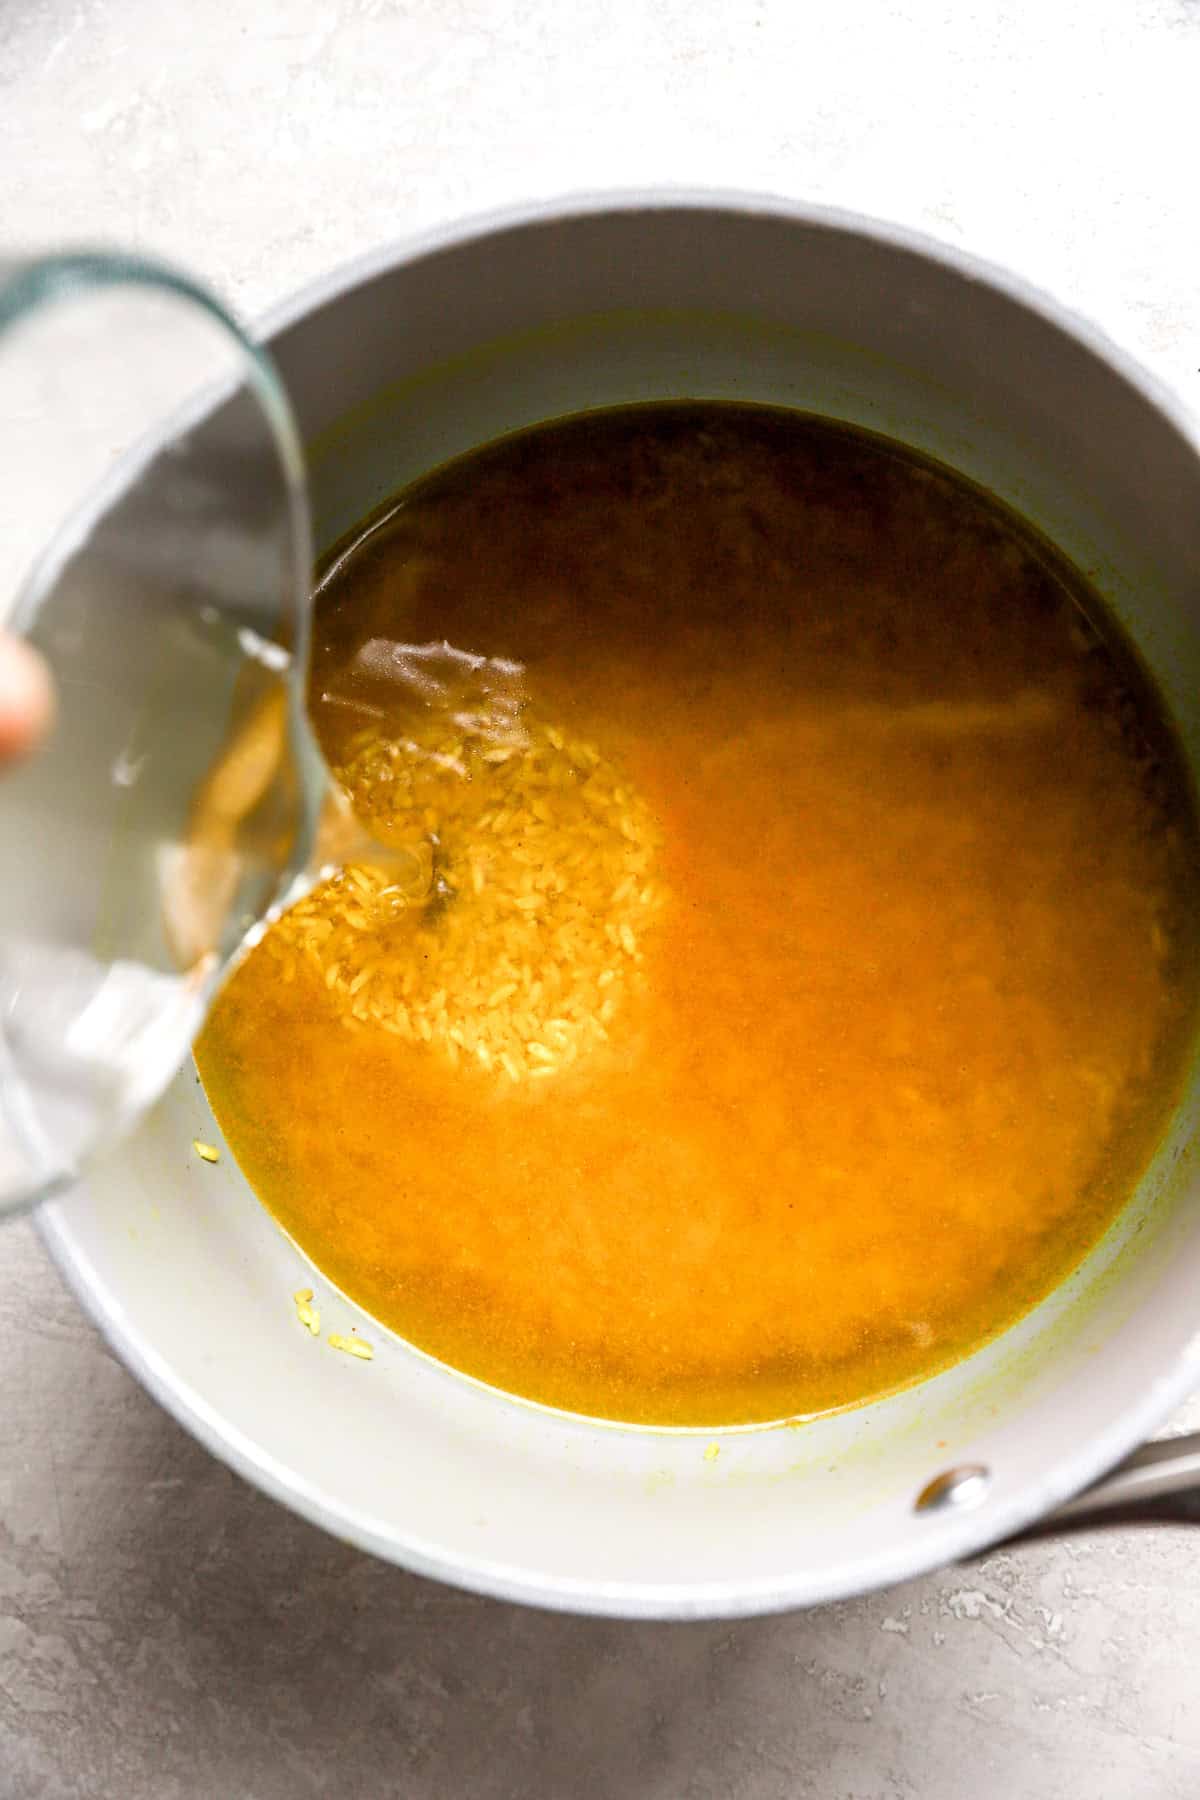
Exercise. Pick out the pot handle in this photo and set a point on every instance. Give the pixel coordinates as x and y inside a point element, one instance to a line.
<point>1157,1485</point>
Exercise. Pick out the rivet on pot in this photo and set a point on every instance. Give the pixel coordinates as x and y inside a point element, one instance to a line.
<point>954,1489</point>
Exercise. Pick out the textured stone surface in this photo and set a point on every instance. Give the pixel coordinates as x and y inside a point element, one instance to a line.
<point>165,1633</point>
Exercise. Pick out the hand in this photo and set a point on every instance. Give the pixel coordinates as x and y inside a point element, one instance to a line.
<point>26,698</point>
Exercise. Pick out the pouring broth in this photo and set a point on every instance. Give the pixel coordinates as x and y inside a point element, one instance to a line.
<point>798,963</point>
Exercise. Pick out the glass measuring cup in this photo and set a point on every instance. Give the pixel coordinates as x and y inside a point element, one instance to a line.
<point>174,808</point>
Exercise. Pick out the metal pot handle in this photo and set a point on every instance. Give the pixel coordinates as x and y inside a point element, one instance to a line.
<point>1157,1485</point>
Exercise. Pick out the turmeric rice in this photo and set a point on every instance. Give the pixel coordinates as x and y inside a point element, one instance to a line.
<point>520,936</point>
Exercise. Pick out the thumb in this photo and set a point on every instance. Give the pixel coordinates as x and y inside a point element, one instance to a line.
<point>26,698</point>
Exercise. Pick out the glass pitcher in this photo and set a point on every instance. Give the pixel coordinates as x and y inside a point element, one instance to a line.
<point>155,496</point>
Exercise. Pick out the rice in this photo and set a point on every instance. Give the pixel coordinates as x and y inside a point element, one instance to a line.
<point>306,1312</point>
<point>520,938</point>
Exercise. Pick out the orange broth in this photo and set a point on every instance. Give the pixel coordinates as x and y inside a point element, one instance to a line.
<point>914,994</point>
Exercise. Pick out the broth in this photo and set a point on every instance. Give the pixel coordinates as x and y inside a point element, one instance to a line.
<point>798,967</point>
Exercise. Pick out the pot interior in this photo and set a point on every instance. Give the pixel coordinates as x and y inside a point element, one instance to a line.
<point>392,371</point>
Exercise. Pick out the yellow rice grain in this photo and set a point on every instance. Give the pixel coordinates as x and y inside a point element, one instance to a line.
<point>306,1312</point>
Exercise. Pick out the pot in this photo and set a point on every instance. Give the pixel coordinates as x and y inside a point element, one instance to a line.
<point>417,354</point>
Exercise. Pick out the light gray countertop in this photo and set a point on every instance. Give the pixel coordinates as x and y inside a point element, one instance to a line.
<point>165,1632</point>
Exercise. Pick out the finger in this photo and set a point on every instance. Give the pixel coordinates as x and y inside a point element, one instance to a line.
<point>26,698</point>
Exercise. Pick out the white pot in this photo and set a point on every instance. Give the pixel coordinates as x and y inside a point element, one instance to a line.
<point>424,351</point>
